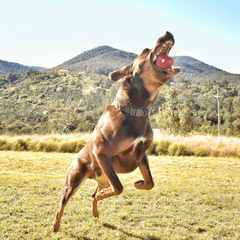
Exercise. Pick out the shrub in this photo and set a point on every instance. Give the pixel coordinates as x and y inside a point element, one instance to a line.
<point>3,144</point>
<point>214,153</point>
<point>162,147</point>
<point>32,146</point>
<point>68,147</point>
<point>181,150</point>
<point>40,146</point>
<point>80,145</point>
<point>20,145</point>
<point>50,147</point>
<point>172,149</point>
<point>199,153</point>
<point>152,150</point>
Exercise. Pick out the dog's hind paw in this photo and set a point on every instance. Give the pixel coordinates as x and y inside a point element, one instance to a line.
<point>54,229</point>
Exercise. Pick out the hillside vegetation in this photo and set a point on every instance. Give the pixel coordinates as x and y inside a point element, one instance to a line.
<point>46,102</point>
<point>49,102</point>
<point>12,67</point>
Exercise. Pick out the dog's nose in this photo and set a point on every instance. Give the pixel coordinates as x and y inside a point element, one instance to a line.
<point>169,34</point>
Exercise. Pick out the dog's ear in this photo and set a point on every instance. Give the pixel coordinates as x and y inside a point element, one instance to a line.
<point>121,73</point>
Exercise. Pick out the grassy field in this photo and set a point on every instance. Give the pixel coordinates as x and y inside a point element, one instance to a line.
<point>193,198</point>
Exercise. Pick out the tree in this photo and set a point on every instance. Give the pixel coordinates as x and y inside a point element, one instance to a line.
<point>173,116</point>
<point>12,77</point>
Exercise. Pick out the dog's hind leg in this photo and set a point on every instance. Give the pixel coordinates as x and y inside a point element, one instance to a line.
<point>148,183</point>
<point>102,183</point>
<point>76,175</point>
<point>94,203</point>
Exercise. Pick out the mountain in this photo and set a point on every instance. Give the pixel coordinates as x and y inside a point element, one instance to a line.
<point>185,59</point>
<point>109,58</point>
<point>104,57</point>
<point>192,68</point>
<point>12,67</point>
<point>48,101</point>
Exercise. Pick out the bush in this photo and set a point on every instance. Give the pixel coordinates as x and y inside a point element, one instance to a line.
<point>3,144</point>
<point>181,150</point>
<point>20,145</point>
<point>152,150</point>
<point>214,153</point>
<point>50,147</point>
<point>162,147</point>
<point>32,146</point>
<point>199,153</point>
<point>40,146</point>
<point>68,147</point>
<point>80,145</point>
<point>172,149</point>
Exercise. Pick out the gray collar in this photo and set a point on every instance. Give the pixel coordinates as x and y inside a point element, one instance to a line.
<point>130,110</point>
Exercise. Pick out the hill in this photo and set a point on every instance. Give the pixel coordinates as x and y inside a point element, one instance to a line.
<point>53,101</point>
<point>108,58</point>
<point>45,102</point>
<point>185,59</point>
<point>191,68</point>
<point>103,57</point>
<point>12,67</point>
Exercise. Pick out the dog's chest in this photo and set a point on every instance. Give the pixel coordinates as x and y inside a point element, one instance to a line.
<point>128,159</point>
<point>129,145</point>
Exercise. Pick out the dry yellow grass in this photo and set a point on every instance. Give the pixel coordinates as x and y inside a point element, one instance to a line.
<point>193,198</point>
<point>223,145</point>
<point>164,144</point>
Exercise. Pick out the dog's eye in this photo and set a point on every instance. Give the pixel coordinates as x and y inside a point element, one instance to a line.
<point>164,72</point>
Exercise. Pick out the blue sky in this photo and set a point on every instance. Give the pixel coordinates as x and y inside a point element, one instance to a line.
<point>48,32</point>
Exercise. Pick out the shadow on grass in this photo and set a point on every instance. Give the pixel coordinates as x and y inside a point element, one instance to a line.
<point>107,225</point>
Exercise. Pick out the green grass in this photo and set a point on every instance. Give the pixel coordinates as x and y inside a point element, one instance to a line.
<point>193,198</point>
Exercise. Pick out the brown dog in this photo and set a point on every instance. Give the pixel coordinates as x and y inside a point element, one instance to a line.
<point>123,134</point>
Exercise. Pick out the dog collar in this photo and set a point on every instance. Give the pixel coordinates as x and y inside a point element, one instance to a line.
<point>130,110</point>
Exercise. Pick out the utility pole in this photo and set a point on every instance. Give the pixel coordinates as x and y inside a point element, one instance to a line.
<point>219,116</point>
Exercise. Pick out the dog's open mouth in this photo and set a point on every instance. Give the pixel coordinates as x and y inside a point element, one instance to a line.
<point>161,59</point>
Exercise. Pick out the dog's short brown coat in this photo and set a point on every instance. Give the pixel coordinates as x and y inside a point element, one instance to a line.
<point>119,142</point>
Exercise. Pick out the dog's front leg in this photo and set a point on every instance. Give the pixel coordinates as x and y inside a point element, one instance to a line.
<point>116,187</point>
<point>148,183</point>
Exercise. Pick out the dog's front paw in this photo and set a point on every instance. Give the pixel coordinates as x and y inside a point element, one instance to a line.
<point>142,185</point>
<point>139,184</point>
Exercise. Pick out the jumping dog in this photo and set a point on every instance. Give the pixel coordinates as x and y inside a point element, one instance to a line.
<point>122,135</point>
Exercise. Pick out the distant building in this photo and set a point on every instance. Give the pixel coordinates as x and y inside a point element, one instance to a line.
<point>62,71</point>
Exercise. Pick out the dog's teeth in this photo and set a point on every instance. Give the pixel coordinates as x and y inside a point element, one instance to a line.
<point>169,42</point>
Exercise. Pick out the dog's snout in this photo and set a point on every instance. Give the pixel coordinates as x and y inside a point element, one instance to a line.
<point>168,34</point>
<point>165,37</point>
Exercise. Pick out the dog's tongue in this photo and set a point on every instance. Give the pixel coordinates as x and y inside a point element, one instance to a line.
<point>164,61</point>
